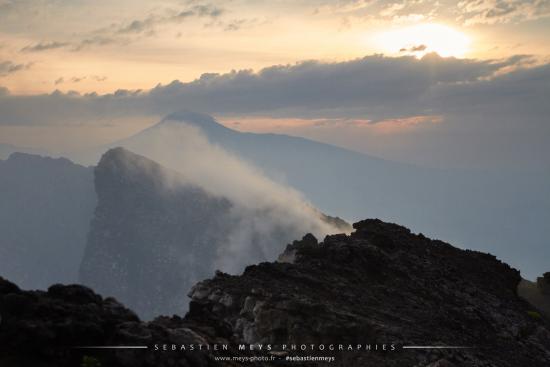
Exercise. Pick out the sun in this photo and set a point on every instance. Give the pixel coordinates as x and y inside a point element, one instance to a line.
<point>421,39</point>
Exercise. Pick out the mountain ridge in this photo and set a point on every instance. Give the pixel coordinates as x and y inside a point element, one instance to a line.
<point>156,233</point>
<point>457,205</point>
<point>478,210</point>
<point>47,204</point>
<point>381,285</point>
<point>7,149</point>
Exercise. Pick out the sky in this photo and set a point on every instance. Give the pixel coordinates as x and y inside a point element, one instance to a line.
<point>461,84</point>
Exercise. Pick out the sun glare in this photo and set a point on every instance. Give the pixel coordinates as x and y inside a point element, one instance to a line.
<point>421,39</point>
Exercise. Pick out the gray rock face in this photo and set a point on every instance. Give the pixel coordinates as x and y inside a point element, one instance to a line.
<point>149,241</point>
<point>45,208</point>
<point>153,235</point>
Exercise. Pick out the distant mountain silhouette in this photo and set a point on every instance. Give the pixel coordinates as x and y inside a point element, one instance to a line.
<point>45,208</point>
<point>478,210</point>
<point>7,149</point>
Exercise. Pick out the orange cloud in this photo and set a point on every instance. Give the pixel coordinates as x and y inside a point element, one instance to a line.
<point>388,126</point>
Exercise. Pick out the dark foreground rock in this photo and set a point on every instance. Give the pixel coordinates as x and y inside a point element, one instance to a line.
<point>380,288</point>
<point>543,283</point>
<point>47,328</point>
<point>537,293</point>
<point>382,285</point>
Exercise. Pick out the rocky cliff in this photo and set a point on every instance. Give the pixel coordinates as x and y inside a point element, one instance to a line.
<point>154,234</point>
<point>372,294</point>
<point>151,237</point>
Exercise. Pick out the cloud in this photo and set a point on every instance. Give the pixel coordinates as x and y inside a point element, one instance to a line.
<point>262,210</point>
<point>396,12</point>
<point>75,79</point>
<point>379,126</point>
<point>480,113</point>
<point>434,105</point>
<point>95,41</point>
<point>8,67</point>
<point>467,12</point>
<point>149,24</point>
<point>151,21</point>
<point>202,10</point>
<point>123,33</point>
<point>138,26</point>
<point>374,87</point>
<point>417,48</point>
<point>44,46</point>
<point>238,24</point>
<point>501,11</point>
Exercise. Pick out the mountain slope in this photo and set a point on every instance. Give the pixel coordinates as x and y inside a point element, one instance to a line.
<point>382,285</point>
<point>154,234</point>
<point>7,149</point>
<point>46,206</point>
<point>478,210</point>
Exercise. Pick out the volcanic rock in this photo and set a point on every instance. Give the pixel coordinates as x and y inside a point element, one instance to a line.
<point>362,298</point>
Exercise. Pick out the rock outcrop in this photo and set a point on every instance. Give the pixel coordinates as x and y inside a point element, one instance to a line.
<point>382,285</point>
<point>154,234</point>
<point>543,283</point>
<point>371,293</point>
<point>40,328</point>
<point>151,237</point>
<point>538,294</point>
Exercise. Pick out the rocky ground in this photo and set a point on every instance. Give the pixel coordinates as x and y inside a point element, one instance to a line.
<point>537,293</point>
<point>382,287</point>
